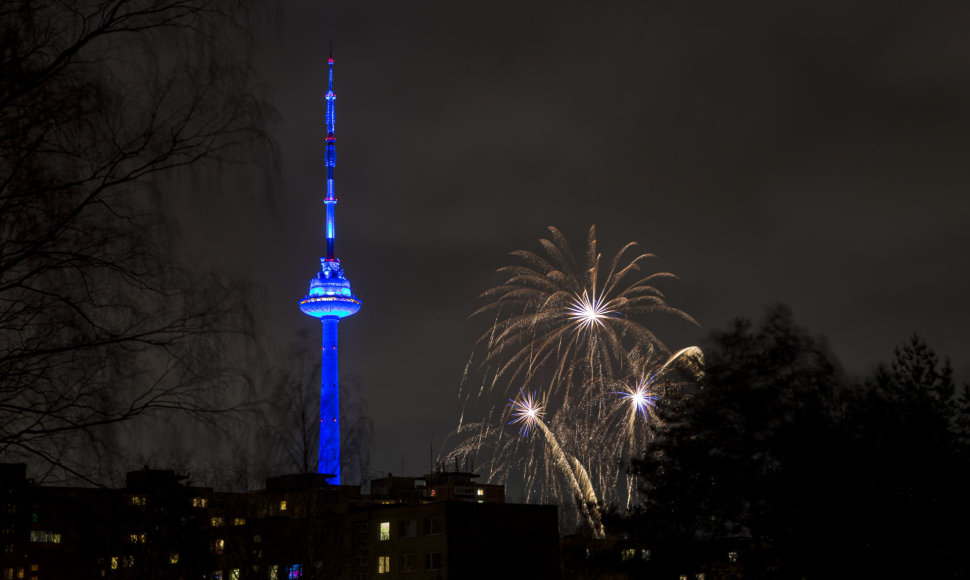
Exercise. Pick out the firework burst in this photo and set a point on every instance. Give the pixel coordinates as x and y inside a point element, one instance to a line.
<point>557,319</point>
<point>639,398</point>
<point>525,410</point>
<point>573,334</point>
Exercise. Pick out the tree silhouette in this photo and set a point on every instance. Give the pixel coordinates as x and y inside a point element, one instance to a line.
<point>293,412</point>
<point>806,472</point>
<point>912,467</point>
<point>100,103</point>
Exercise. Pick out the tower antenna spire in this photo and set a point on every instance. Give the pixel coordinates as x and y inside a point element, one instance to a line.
<point>330,298</point>
<point>330,158</point>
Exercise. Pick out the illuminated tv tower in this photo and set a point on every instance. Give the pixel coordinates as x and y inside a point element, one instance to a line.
<point>330,299</point>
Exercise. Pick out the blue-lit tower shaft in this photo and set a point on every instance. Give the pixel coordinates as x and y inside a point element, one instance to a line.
<point>330,298</point>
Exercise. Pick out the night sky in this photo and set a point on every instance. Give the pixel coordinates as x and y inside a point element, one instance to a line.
<point>813,153</point>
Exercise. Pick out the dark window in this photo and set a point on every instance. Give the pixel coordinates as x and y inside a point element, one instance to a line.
<point>407,528</point>
<point>433,526</point>
<point>409,562</point>
<point>432,561</point>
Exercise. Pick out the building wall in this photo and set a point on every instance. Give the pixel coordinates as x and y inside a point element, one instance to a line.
<point>460,540</point>
<point>298,527</point>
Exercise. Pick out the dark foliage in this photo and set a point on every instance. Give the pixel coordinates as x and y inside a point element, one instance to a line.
<point>779,456</point>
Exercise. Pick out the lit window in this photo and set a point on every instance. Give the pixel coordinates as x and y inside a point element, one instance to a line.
<point>700,576</point>
<point>114,562</point>
<point>628,554</point>
<point>45,537</point>
<point>295,571</point>
<point>174,558</point>
<point>138,500</point>
<point>20,572</point>
<point>274,573</point>
<point>234,575</point>
<point>129,561</point>
<point>132,538</point>
<point>432,561</point>
<point>239,521</point>
<point>481,491</point>
<point>257,539</point>
<point>218,545</point>
<point>199,502</point>
<point>732,557</point>
<point>283,506</point>
<point>645,554</point>
<point>383,564</point>
<point>217,575</point>
<point>217,522</point>
<point>385,531</point>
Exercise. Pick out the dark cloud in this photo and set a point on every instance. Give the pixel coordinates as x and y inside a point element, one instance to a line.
<point>809,153</point>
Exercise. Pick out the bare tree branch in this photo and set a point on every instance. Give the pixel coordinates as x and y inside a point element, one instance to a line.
<point>100,322</point>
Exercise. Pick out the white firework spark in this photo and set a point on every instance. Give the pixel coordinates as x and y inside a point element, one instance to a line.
<point>572,334</point>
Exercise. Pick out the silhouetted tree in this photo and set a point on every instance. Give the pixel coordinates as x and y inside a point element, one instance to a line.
<point>100,102</point>
<point>911,475</point>
<point>744,457</point>
<point>961,420</point>
<point>808,474</point>
<point>293,413</point>
<point>294,408</point>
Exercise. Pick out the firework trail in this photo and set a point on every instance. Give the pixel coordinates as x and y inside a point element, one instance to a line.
<point>527,411</point>
<point>573,333</point>
<point>638,402</point>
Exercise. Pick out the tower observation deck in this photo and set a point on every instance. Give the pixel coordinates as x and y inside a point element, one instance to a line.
<point>330,298</point>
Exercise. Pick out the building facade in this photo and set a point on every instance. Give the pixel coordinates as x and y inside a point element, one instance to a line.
<point>298,526</point>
